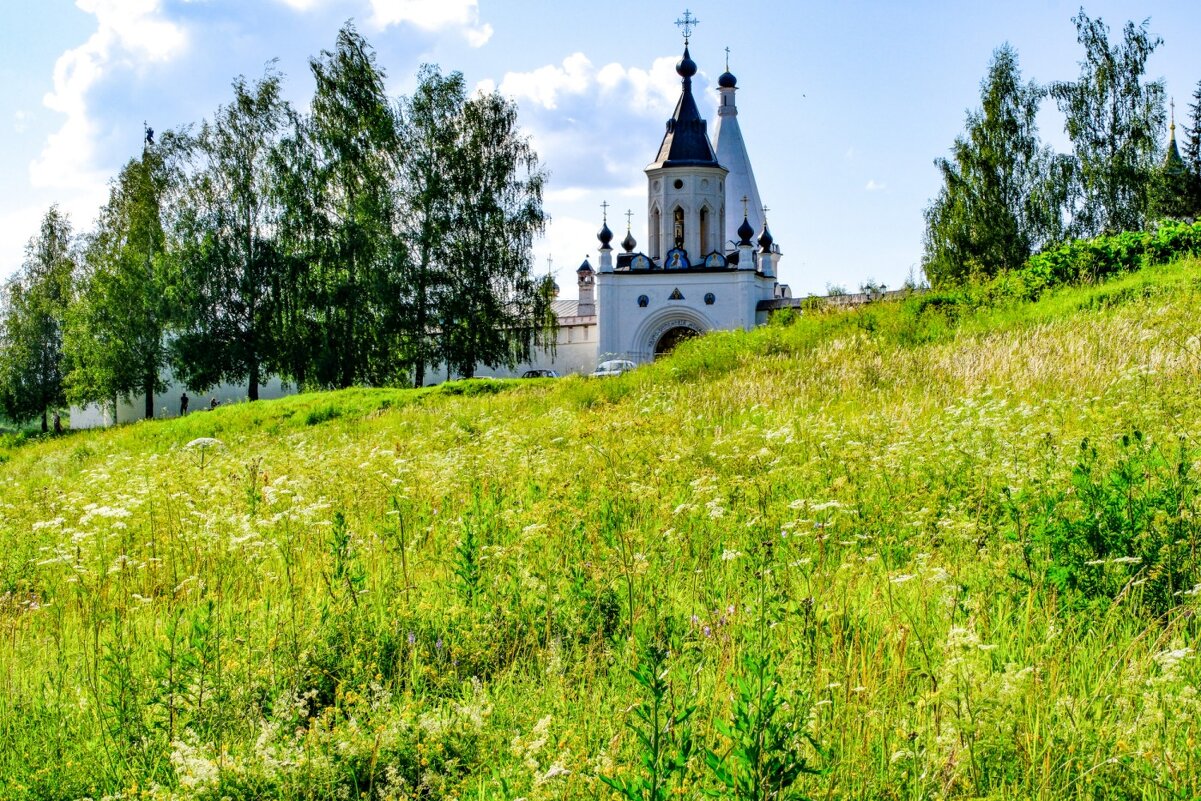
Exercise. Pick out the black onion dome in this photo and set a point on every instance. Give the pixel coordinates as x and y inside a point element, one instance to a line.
<point>686,141</point>
<point>745,232</point>
<point>686,67</point>
<point>765,239</point>
<point>629,243</point>
<point>605,236</point>
<point>727,80</point>
<point>585,267</point>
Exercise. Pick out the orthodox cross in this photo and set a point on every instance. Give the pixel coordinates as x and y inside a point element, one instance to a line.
<point>745,200</point>
<point>149,133</point>
<point>765,210</point>
<point>605,210</point>
<point>1172,103</point>
<point>629,219</point>
<point>727,59</point>
<point>550,262</point>
<point>687,23</point>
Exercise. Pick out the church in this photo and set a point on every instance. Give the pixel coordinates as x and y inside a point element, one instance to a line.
<point>711,263</point>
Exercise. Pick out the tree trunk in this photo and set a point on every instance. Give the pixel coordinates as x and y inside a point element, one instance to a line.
<point>148,385</point>
<point>252,391</point>
<point>45,422</point>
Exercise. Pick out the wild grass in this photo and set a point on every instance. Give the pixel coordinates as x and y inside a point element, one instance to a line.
<point>907,551</point>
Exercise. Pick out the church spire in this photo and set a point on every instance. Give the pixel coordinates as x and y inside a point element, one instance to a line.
<point>731,154</point>
<point>686,143</point>
<point>1172,163</point>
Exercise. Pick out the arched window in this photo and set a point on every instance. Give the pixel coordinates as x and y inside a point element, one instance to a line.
<point>656,233</point>
<point>706,246</point>
<point>678,227</point>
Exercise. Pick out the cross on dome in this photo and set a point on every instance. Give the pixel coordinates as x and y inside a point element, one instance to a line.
<point>605,210</point>
<point>687,23</point>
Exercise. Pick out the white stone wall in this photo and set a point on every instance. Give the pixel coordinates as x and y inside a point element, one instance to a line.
<point>630,331</point>
<point>575,352</point>
<point>166,404</point>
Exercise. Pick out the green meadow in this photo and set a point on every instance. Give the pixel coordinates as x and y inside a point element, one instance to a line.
<point>918,549</point>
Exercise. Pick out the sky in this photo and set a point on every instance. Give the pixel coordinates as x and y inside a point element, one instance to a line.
<point>844,105</point>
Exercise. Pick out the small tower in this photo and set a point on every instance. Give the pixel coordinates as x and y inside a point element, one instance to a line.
<point>629,243</point>
<point>1172,164</point>
<point>767,251</point>
<point>586,283</point>
<point>605,236</point>
<point>731,153</point>
<point>686,198</point>
<point>746,245</point>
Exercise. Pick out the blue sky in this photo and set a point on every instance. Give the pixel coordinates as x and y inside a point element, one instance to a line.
<point>843,105</point>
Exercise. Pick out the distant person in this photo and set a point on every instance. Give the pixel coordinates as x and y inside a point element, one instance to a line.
<point>214,403</point>
<point>183,404</point>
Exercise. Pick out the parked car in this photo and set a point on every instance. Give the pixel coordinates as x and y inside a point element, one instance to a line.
<point>539,374</point>
<point>613,367</point>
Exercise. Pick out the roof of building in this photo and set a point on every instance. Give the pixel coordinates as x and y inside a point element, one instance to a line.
<point>565,308</point>
<point>686,143</point>
<point>1172,163</point>
<point>731,152</point>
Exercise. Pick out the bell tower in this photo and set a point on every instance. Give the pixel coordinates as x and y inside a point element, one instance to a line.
<point>686,209</point>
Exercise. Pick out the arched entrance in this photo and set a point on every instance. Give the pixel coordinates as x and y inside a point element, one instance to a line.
<point>672,337</point>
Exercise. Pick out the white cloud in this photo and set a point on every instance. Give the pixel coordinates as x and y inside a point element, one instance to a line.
<point>875,186</point>
<point>21,121</point>
<point>643,91</point>
<point>544,85</point>
<point>303,5</point>
<point>652,91</point>
<point>128,33</point>
<point>431,15</point>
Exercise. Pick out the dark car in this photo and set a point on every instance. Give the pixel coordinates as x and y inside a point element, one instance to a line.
<point>539,374</point>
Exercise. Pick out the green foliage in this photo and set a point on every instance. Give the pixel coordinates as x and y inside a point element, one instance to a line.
<point>322,415</point>
<point>338,219</point>
<point>114,342</point>
<point>1114,119</point>
<point>1102,257</point>
<point>233,289</point>
<point>871,527</point>
<point>33,314</point>
<point>496,188</point>
<point>662,728</point>
<point>1191,152</point>
<point>763,760</point>
<point>1002,189</point>
<point>1128,527</point>
<point>467,556</point>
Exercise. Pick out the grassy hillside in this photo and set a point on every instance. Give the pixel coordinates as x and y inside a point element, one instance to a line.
<point>909,551</point>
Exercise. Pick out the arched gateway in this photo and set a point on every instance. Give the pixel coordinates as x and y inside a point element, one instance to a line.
<point>699,275</point>
<point>672,337</point>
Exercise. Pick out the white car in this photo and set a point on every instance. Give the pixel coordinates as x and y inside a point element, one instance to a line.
<point>613,367</point>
